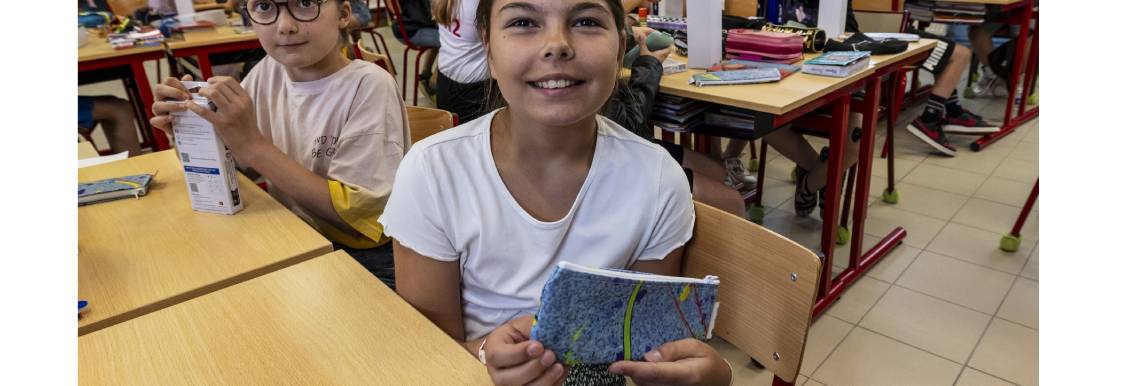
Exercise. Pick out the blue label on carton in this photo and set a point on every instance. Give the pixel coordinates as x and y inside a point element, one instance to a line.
<point>196,169</point>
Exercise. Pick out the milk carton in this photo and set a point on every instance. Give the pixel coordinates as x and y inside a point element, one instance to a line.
<point>209,167</point>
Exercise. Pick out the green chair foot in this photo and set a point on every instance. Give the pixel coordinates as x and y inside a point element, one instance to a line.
<point>1010,243</point>
<point>756,213</point>
<point>843,235</point>
<point>890,196</point>
<point>1033,99</point>
<point>793,175</point>
<point>752,165</point>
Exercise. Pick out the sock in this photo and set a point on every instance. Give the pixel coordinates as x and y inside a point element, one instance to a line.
<point>953,105</point>
<point>935,109</point>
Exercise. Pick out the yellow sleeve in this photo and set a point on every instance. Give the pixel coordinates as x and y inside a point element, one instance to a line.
<point>359,208</point>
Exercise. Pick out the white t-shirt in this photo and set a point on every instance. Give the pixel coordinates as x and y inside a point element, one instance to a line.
<point>461,56</point>
<point>450,204</point>
<point>349,127</point>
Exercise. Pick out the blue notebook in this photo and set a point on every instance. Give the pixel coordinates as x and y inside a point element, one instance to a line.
<point>113,188</point>
<point>599,316</point>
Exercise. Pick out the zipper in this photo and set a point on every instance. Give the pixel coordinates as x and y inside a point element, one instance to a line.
<point>709,279</point>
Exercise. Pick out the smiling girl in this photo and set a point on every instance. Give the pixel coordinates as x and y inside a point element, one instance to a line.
<point>482,212</point>
<point>326,132</point>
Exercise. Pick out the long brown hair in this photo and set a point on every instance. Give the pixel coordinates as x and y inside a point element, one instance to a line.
<point>493,98</point>
<point>444,11</point>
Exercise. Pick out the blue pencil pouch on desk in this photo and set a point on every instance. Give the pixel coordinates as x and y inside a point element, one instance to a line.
<point>599,316</point>
<point>113,188</point>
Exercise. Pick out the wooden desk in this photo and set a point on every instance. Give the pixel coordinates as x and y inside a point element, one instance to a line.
<point>136,256</point>
<point>208,6</point>
<point>86,150</point>
<point>97,54</point>
<point>203,43</point>
<point>323,321</point>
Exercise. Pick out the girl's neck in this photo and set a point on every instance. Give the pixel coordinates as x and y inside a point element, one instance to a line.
<point>327,66</point>
<point>528,141</point>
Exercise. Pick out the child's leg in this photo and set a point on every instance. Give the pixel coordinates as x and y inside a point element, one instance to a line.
<point>946,81</point>
<point>713,192</point>
<point>734,148</point>
<point>702,165</point>
<point>116,117</point>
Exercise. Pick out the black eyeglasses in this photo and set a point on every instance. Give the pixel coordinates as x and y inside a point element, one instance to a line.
<point>265,12</point>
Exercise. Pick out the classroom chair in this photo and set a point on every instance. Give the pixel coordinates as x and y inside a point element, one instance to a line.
<point>396,19</point>
<point>768,289</point>
<point>425,121</point>
<point>379,59</point>
<point>376,21</point>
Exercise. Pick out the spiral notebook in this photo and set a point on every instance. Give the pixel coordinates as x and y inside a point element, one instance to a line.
<point>599,316</point>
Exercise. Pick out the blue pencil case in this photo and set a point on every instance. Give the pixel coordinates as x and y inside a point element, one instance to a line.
<point>599,316</point>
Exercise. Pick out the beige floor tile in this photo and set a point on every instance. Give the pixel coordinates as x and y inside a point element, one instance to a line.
<point>1026,151</point>
<point>934,325</point>
<point>1022,304</point>
<point>928,201</point>
<point>967,284</point>
<point>780,169</point>
<point>775,192</point>
<point>1018,170</point>
<point>867,358</point>
<point>893,264</point>
<point>978,247</point>
<point>1031,270</point>
<point>945,179</point>
<point>973,377</point>
<point>902,166</point>
<point>1004,191</point>
<point>978,162</point>
<point>997,218</point>
<point>745,373</point>
<point>1009,351</point>
<point>858,299</point>
<point>920,229</point>
<point>812,382</point>
<point>824,335</point>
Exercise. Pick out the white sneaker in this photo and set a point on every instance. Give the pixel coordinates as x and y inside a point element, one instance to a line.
<point>989,85</point>
<point>737,172</point>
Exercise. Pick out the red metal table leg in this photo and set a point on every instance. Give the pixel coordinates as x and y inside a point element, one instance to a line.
<point>840,130</point>
<point>757,197</point>
<point>1026,209</point>
<point>1010,124</point>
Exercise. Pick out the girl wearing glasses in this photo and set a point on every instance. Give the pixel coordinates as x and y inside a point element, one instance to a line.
<point>326,132</point>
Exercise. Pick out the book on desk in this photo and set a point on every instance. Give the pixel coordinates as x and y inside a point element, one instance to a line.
<point>838,64</point>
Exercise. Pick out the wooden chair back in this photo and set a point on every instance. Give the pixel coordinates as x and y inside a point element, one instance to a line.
<point>425,121</point>
<point>881,21</point>
<point>768,288</point>
<point>377,58</point>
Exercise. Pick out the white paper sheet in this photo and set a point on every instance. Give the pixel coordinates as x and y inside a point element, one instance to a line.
<point>101,160</point>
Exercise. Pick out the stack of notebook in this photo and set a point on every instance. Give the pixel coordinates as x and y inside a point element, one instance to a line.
<point>839,64</point>
<point>678,114</point>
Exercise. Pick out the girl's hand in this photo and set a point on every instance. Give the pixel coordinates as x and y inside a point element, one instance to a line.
<point>514,359</point>
<point>683,362</point>
<point>640,35</point>
<point>169,94</point>
<point>234,119</point>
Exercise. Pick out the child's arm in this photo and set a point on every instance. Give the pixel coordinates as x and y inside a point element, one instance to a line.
<point>433,287</point>
<point>237,124</point>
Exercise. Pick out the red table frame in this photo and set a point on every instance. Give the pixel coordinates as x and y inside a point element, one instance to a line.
<point>203,53</point>
<point>136,64</point>
<point>1026,11</point>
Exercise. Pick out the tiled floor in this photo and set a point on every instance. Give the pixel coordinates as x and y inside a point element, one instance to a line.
<point>947,307</point>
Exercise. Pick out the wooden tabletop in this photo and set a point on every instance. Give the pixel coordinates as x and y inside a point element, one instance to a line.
<point>86,150</point>
<point>993,2</point>
<point>136,256</point>
<point>209,36</point>
<point>779,97</point>
<point>323,321</point>
<point>99,48</point>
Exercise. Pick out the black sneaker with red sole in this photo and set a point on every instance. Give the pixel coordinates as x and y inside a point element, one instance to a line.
<point>968,123</point>
<point>932,135</point>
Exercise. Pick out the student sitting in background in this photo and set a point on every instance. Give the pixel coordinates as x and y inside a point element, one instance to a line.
<point>326,133</point>
<point>482,211</point>
<point>116,117</point>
